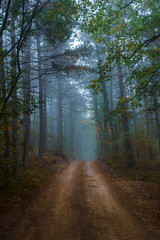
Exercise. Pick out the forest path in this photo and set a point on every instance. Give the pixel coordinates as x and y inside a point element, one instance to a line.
<point>78,205</point>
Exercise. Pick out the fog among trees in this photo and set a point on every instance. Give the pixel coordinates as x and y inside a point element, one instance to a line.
<point>79,78</point>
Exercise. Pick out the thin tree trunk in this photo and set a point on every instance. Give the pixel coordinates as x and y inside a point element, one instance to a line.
<point>157,119</point>
<point>114,144</point>
<point>34,130</point>
<point>71,129</point>
<point>148,130</point>
<point>111,94</point>
<point>45,117</point>
<point>4,119</point>
<point>105,117</point>
<point>14,99</point>
<point>60,127</point>
<point>125,124</point>
<point>98,131</point>
<point>52,126</point>
<point>41,105</point>
<point>133,112</point>
<point>26,93</point>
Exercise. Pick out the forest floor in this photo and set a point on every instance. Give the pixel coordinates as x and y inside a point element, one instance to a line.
<point>85,202</point>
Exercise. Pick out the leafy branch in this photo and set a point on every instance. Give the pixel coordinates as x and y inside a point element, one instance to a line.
<point>145,44</point>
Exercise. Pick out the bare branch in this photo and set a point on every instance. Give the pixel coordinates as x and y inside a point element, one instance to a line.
<point>125,6</point>
<point>5,19</point>
<point>25,30</point>
<point>24,33</point>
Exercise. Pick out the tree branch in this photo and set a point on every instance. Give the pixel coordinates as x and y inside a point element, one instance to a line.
<point>145,44</point>
<point>5,19</point>
<point>122,9</point>
<point>24,34</point>
<point>25,30</point>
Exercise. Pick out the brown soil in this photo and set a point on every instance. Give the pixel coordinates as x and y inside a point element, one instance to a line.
<point>78,205</point>
<point>141,199</point>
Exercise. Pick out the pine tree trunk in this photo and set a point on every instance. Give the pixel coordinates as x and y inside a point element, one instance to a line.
<point>98,138</point>
<point>71,129</point>
<point>60,127</point>
<point>133,112</point>
<point>52,126</point>
<point>105,118</point>
<point>114,144</point>
<point>41,98</point>
<point>4,118</point>
<point>157,118</point>
<point>148,130</point>
<point>14,99</point>
<point>45,117</point>
<point>34,130</point>
<point>125,124</point>
<point>26,93</point>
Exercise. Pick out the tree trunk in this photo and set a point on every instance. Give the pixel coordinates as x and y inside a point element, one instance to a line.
<point>45,116</point>
<point>14,99</point>
<point>71,129</point>
<point>41,98</point>
<point>34,130</point>
<point>52,126</point>
<point>133,111</point>
<point>125,123</point>
<point>105,118</point>
<point>114,143</point>
<point>157,118</point>
<point>60,127</point>
<point>26,93</point>
<point>148,130</point>
<point>99,129</point>
<point>4,118</point>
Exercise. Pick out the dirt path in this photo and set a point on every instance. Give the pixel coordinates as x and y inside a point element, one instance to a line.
<point>78,205</point>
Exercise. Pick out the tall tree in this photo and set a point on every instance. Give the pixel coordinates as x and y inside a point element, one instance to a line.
<point>41,99</point>
<point>27,106</point>
<point>125,122</point>
<point>14,93</point>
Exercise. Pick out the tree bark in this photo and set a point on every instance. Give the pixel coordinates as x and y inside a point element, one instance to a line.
<point>14,99</point>
<point>60,126</point>
<point>45,116</point>
<point>133,111</point>
<point>34,130</point>
<point>105,117</point>
<point>26,93</point>
<point>4,119</point>
<point>148,130</point>
<point>157,118</point>
<point>98,128</point>
<point>125,123</point>
<point>71,129</point>
<point>41,98</point>
<point>52,125</point>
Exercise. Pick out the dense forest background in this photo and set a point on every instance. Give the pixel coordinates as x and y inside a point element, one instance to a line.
<point>79,78</point>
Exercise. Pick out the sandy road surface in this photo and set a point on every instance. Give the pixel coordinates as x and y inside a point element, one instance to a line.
<point>78,205</point>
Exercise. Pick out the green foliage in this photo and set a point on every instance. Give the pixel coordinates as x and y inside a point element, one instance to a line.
<point>122,109</point>
<point>104,75</point>
<point>57,21</point>
<point>141,146</point>
<point>26,180</point>
<point>131,33</point>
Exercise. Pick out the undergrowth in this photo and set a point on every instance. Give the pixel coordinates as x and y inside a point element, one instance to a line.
<point>145,170</point>
<point>27,180</point>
